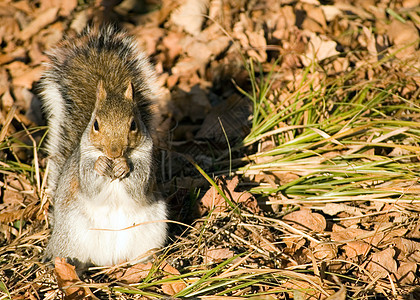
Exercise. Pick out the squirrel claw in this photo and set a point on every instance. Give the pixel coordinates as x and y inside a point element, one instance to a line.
<point>103,166</point>
<point>121,168</point>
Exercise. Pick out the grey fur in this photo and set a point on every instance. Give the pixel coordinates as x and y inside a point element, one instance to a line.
<point>83,199</point>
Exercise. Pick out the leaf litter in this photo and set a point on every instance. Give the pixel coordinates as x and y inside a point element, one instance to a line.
<point>303,115</point>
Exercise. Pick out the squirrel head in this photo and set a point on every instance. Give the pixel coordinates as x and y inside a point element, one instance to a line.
<point>116,126</point>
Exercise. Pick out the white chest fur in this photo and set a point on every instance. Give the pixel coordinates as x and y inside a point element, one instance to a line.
<point>116,228</point>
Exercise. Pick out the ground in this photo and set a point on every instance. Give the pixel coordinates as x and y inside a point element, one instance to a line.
<point>287,138</point>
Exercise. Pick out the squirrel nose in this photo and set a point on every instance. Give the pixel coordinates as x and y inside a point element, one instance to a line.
<point>115,151</point>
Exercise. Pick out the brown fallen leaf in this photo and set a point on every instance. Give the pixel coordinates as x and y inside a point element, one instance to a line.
<point>190,15</point>
<point>414,231</point>
<point>67,7</point>
<point>217,254</point>
<point>9,28</point>
<point>186,66</point>
<point>232,114</point>
<point>40,22</point>
<point>403,35</point>
<point>319,48</point>
<point>258,43</point>
<point>406,273</point>
<point>132,274</point>
<point>26,80</point>
<point>213,200</point>
<point>325,251</point>
<point>350,234</point>
<point>172,288</point>
<point>370,44</point>
<point>333,209</point>
<point>4,80</point>
<point>200,51</point>
<point>17,68</point>
<point>67,280</point>
<point>408,249</point>
<point>218,45</point>
<point>138,272</point>
<point>355,248</point>
<point>172,43</point>
<point>310,22</point>
<point>7,100</point>
<point>293,244</point>
<point>382,263</point>
<point>283,20</point>
<point>306,220</point>
<point>192,103</point>
<point>340,295</point>
<point>148,38</point>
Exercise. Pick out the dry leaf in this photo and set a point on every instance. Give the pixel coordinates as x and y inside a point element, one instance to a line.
<point>66,278</point>
<point>138,272</point>
<point>408,249</point>
<point>334,208</point>
<point>190,15</point>
<point>172,288</point>
<point>346,234</point>
<point>349,234</point>
<point>410,3</point>
<point>258,43</point>
<point>232,114</point>
<point>21,5</point>
<point>26,80</point>
<point>7,100</point>
<point>315,19</point>
<point>213,200</point>
<point>40,22</point>
<point>284,20</point>
<point>219,45</point>
<point>17,68</point>
<point>51,35</point>
<point>12,197</point>
<point>414,231</point>
<point>67,7</point>
<point>193,104</point>
<point>319,48</point>
<point>340,295</point>
<point>199,51</point>
<point>80,21</point>
<point>407,273</point>
<point>330,12</point>
<point>306,220</point>
<point>403,34</point>
<point>4,80</point>
<point>172,43</point>
<point>132,274</point>
<point>216,255</point>
<point>325,251</point>
<point>293,243</point>
<point>148,37</point>
<point>355,248</point>
<point>370,44</point>
<point>9,29</point>
<point>382,263</point>
<point>35,53</point>
<point>186,66</point>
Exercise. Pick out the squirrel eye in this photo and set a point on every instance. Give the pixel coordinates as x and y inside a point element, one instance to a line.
<point>133,126</point>
<point>96,125</point>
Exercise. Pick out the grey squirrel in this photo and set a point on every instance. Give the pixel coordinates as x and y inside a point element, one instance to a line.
<point>97,94</point>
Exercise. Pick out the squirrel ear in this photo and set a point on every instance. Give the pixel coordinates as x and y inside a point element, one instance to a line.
<point>129,92</point>
<point>100,92</point>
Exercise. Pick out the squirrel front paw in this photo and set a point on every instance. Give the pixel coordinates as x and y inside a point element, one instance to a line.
<point>114,169</point>
<point>121,168</point>
<point>103,166</point>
